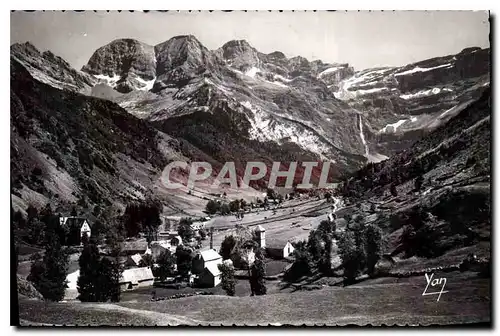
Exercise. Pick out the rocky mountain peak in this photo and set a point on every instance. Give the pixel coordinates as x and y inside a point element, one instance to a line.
<point>125,64</point>
<point>180,59</point>
<point>240,54</point>
<point>51,69</point>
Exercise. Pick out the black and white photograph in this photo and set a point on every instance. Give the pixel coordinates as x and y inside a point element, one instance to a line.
<point>250,168</point>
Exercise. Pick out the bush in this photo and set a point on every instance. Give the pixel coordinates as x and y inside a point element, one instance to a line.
<point>48,275</point>
<point>166,263</point>
<point>184,230</point>
<point>212,207</point>
<point>228,281</point>
<point>225,209</point>
<point>373,246</point>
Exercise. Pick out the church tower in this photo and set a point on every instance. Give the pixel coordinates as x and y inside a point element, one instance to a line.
<point>261,235</point>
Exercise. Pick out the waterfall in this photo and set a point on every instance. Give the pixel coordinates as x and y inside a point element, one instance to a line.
<point>363,137</point>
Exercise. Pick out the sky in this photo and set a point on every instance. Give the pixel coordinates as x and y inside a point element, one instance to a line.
<point>362,39</point>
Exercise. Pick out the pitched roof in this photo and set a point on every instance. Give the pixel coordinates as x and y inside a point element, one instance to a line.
<point>209,255</point>
<point>136,258</point>
<point>134,275</point>
<point>277,245</point>
<point>212,269</point>
<point>134,245</point>
<point>260,228</point>
<point>70,221</point>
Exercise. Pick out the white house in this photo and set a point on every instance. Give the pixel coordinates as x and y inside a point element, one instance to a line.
<point>209,277</point>
<point>280,250</point>
<point>204,259</point>
<point>80,222</point>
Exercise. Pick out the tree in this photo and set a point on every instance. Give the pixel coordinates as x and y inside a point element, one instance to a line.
<point>234,206</point>
<point>99,276</point>
<point>257,273</point>
<point>303,262</point>
<point>228,280</point>
<point>166,264</point>
<point>88,282</point>
<point>203,234</point>
<point>227,246</point>
<point>314,246</point>
<point>243,204</point>
<point>146,261</point>
<point>184,260</point>
<point>143,216</point>
<point>184,230</point>
<point>419,181</point>
<point>225,209</point>
<point>350,256</point>
<point>373,247</point>
<point>271,193</point>
<point>212,207</point>
<point>394,191</point>
<point>109,280</point>
<point>49,274</point>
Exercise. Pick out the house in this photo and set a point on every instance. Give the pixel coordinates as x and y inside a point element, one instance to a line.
<point>280,250</point>
<point>133,260</point>
<point>209,277</point>
<point>171,236</point>
<point>204,259</point>
<point>76,226</point>
<point>133,247</point>
<point>136,278</point>
<point>158,247</point>
<point>198,225</point>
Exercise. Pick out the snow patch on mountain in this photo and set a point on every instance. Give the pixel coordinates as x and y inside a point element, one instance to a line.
<point>252,72</point>
<point>324,72</point>
<point>111,81</point>
<point>148,85</point>
<point>276,76</point>
<point>424,93</point>
<point>346,90</point>
<point>391,128</point>
<point>419,69</point>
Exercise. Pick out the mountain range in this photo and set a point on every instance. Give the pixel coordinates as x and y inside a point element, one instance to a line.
<point>134,107</point>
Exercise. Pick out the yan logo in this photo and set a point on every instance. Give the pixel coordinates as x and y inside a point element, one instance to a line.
<point>434,283</point>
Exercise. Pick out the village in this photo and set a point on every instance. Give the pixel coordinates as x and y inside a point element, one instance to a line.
<point>140,256</point>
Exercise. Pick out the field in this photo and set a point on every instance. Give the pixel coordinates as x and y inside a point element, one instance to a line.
<point>383,301</point>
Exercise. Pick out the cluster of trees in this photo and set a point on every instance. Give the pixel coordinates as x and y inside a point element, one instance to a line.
<point>48,273</point>
<point>243,253</point>
<point>214,207</point>
<point>360,248</point>
<point>99,275</point>
<point>313,254</point>
<point>143,217</point>
<point>225,208</point>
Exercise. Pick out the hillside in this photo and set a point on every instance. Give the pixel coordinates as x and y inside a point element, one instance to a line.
<point>67,147</point>
<point>435,195</point>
